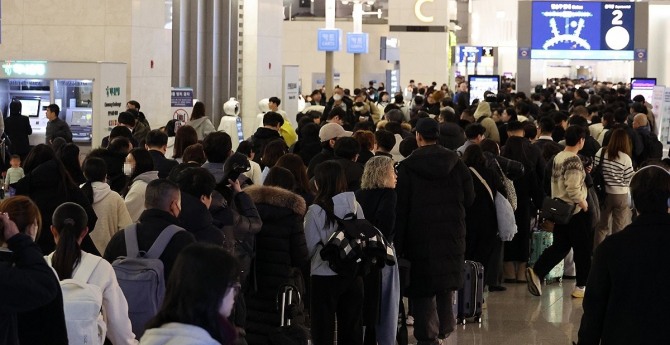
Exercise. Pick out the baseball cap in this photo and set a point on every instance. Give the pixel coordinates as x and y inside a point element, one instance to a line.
<point>331,131</point>
<point>428,128</point>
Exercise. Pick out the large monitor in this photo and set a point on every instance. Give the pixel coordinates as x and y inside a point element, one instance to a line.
<point>582,30</point>
<point>642,86</point>
<point>81,117</point>
<point>479,84</point>
<point>30,106</point>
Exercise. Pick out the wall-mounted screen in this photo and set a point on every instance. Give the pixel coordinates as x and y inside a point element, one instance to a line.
<point>479,84</point>
<point>470,54</point>
<point>582,30</point>
<point>642,86</point>
<point>30,106</point>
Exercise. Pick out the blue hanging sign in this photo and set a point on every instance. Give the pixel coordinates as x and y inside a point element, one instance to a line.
<point>328,40</point>
<point>357,43</point>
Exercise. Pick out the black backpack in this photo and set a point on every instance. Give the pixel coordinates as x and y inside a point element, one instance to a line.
<point>355,247</point>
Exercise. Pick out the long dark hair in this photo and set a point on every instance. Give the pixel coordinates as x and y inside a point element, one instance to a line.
<point>200,278</point>
<point>95,170</point>
<point>69,155</point>
<point>185,137</point>
<point>43,153</point>
<point>280,177</point>
<point>474,157</point>
<point>69,220</point>
<point>295,165</point>
<point>198,111</point>
<point>330,181</point>
<point>143,162</point>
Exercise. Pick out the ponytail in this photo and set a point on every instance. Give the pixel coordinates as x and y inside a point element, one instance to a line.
<point>69,220</point>
<point>68,251</point>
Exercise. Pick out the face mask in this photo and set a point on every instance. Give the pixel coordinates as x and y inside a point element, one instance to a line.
<point>337,97</point>
<point>127,169</point>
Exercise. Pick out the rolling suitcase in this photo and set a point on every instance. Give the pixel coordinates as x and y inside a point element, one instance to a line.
<point>288,300</point>
<point>471,296</point>
<point>541,240</point>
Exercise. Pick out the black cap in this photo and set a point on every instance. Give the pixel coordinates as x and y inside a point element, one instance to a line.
<point>428,128</point>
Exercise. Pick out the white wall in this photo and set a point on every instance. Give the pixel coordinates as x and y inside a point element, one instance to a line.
<point>128,31</point>
<point>494,23</point>
<point>659,43</point>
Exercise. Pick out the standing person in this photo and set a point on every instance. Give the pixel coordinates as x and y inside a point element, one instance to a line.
<point>140,168</point>
<point>156,144</point>
<point>333,296</point>
<point>184,137</point>
<point>200,122</point>
<point>272,123</point>
<point>18,129</point>
<point>56,127</point>
<point>108,205</point>
<point>434,187</point>
<point>199,298</point>
<point>617,170</point>
<point>382,289</point>
<point>15,173</point>
<point>69,155</point>
<point>621,263</point>
<point>69,228</point>
<point>567,184</point>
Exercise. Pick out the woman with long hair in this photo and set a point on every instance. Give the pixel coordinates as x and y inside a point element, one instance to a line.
<point>617,170</point>
<point>382,288</point>
<point>140,167</point>
<point>185,137</point>
<point>332,294</point>
<point>48,184</point>
<point>199,298</point>
<point>274,150</point>
<point>200,122</point>
<point>108,205</point>
<point>71,262</point>
<point>295,165</point>
<point>69,155</point>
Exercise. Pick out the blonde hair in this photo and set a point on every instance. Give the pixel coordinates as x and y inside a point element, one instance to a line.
<point>375,172</point>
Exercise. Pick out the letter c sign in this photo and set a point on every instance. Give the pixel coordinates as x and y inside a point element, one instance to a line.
<point>419,14</point>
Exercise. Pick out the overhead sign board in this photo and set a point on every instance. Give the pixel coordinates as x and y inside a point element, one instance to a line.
<point>328,40</point>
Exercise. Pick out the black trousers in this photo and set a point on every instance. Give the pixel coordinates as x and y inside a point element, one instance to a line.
<point>335,296</point>
<point>577,234</point>
<point>433,316</point>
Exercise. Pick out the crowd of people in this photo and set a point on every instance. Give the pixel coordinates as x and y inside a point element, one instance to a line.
<point>424,166</point>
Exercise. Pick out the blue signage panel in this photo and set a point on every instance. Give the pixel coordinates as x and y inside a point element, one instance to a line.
<point>357,43</point>
<point>328,40</point>
<point>469,54</point>
<point>583,30</point>
<point>181,98</point>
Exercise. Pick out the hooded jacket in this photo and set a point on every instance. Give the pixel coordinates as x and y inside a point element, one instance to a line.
<point>452,135</point>
<point>260,139</point>
<point>280,253</point>
<point>135,197</point>
<point>434,188</point>
<point>202,126</point>
<point>112,214</point>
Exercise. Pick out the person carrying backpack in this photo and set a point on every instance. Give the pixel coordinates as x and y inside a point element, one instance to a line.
<point>88,283</point>
<point>652,147</point>
<point>332,294</point>
<point>155,237</point>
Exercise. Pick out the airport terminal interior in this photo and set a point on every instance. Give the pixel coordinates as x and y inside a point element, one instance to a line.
<point>240,60</point>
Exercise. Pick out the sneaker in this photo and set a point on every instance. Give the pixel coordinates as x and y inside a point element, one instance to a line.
<point>579,291</point>
<point>410,321</point>
<point>534,283</point>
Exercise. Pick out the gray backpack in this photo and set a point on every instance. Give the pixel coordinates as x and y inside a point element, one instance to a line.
<point>141,277</point>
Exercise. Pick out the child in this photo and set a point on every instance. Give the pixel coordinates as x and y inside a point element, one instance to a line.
<point>15,173</point>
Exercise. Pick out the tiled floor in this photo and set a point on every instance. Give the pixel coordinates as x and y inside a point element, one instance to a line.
<point>514,317</point>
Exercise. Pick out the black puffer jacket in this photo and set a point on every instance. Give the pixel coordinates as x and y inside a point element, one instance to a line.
<point>434,188</point>
<point>280,252</point>
<point>196,219</point>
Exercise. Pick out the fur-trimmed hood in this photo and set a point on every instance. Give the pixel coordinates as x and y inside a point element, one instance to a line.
<point>277,196</point>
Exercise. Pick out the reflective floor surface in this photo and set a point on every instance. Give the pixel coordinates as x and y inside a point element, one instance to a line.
<point>514,317</point>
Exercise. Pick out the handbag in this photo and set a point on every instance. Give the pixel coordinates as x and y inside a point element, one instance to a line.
<point>504,213</point>
<point>557,210</point>
<point>599,179</point>
<point>510,191</point>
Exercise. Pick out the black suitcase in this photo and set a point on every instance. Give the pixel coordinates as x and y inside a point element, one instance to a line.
<point>471,296</point>
<point>288,299</point>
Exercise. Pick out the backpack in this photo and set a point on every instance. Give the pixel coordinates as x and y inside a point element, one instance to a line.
<point>355,247</point>
<point>141,276</point>
<point>653,148</point>
<point>82,303</point>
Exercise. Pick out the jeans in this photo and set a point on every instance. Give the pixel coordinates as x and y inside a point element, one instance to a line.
<point>336,296</point>
<point>433,316</point>
<point>576,235</point>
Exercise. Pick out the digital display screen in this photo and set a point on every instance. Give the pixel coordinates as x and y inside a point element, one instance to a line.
<point>467,54</point>
<point>30,106</point>
<point>80,118</point>
<point>240,133</point>
<point>642,86</point>
<point>582,30</point>
<point>478,84</point>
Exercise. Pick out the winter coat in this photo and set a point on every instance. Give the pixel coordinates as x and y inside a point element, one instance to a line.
<point>27,283</point>
<point>280,253</point>
<point>140,132</point>
<point>434,188</point>
<point>151,223</point>
<point>162,164</point>
<point>175,333</point>
<point>480,218</point>
<point>196,219</point>
<point>18,129</point>
<point>43,186</point>
<point>260,139</point>
<point>112,214</point>
<point>317,232</point>
<point>58,128</point>
<point>135,197</point>
<point>452,135</point>
<point>379,206</point>
<point>324,155</point>
<point>202,126</point>
<point>629,261</point>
